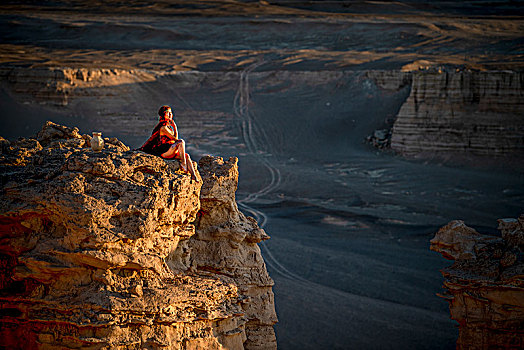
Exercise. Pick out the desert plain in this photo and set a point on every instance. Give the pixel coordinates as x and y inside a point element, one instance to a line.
<point>293,89</point>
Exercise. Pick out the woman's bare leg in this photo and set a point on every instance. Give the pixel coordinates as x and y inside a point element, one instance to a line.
<point>181,146</point>
<point>190,167</point>
<point>171,152</point>
<point>178,151</point>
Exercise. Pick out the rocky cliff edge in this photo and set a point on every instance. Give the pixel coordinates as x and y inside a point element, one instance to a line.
<point>485,285</point>
<point>120,249</point>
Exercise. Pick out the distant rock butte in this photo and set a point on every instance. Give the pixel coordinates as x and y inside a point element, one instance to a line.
<point>458,113</point>
<point>485,285</point>
<point>121,250</point>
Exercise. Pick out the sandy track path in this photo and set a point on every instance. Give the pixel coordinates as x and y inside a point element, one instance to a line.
<point>250,133</point>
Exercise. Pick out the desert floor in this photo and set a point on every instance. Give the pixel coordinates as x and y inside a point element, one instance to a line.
<point>283,86</point>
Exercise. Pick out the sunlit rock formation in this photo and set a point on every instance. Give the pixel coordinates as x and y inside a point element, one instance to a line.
<point>477,113</point>
<point>59,85</point>
<point>120,249</point>
<point>225,244</point>
<point>485,285</point>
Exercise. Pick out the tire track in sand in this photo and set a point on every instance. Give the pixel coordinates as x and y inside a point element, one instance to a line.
<point>250,131</point>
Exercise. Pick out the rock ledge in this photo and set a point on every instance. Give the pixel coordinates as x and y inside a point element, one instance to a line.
<point>121,250</point>
<point>485,285</point>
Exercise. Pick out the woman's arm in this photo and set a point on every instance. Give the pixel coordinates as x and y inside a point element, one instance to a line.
<point>172,133</point>
<point>175,129</point>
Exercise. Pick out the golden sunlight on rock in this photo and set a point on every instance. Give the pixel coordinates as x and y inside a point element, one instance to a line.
<point>119,249</point>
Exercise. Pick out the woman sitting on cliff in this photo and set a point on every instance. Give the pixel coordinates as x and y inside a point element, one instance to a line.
<point>164,142</point>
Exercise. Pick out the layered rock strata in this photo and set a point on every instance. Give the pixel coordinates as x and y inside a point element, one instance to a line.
<point>121,250</point>
<point>59,85</point>
<point>477,113</point>
<point>447,112</point>
<point>485,285</point>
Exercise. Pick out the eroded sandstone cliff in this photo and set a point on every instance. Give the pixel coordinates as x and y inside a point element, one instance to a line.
<point>59,85</point>
<point>477,113</point>
<point>485,285</point>
<point>120,249</point>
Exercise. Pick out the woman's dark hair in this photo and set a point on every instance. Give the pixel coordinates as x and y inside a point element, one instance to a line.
<point>163,110</point>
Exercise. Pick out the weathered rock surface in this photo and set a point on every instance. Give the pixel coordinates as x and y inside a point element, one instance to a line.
<point>225,243</point>
<point>485,285</point>
<point>477,113</point>
<point>390,80</point>
<point>121,250</point>
<point>59,85</point>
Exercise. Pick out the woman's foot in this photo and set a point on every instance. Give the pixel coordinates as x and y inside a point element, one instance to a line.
<point>183,167</point>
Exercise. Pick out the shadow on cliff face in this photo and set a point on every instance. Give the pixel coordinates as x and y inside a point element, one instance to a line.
<point>350,227</point>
